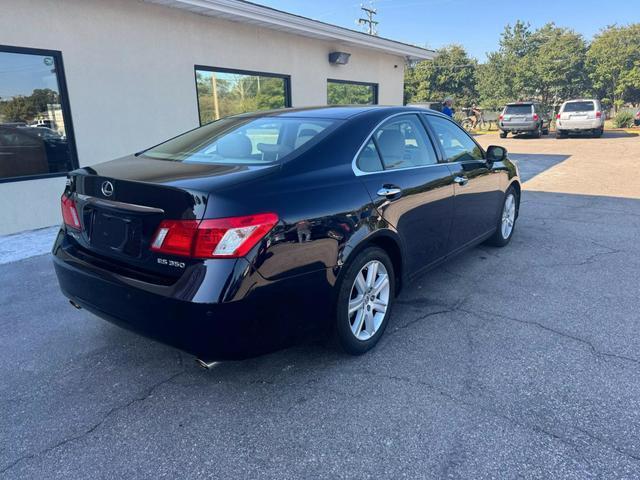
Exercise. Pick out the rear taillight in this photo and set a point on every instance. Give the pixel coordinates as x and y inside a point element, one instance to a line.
<point>501,117</point>
<point>598,114</point>
<point>558,117</point>
<point>70,212</point>
<point>535,116</point>
<point>218,238</point>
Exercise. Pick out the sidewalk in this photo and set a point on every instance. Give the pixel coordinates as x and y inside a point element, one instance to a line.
<point>26,244</point>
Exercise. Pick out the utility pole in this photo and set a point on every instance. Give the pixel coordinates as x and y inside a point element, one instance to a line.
<point>371,24</point>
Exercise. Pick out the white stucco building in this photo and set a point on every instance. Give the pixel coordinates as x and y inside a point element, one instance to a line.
<point>124,72</point>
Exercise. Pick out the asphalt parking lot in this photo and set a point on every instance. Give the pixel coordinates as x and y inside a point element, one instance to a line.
<point>522,362</point>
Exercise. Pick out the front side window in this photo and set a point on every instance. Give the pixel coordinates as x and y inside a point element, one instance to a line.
<point>225,92</point>
<point>340,92</point>
<point>402,142</point>
<point>455,142</point>
<point>242,140</point>
<point>35,133</point>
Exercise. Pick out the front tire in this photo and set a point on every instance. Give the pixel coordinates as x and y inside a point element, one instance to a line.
<point>365,297</point>
<point>507,219</point>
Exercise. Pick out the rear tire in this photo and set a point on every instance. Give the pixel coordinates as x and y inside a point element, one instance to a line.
<point>365,297</point>
<point>503,134</point>
<point>545,131</point>
<point>506,220</point>
<point>538,132</point>
<point>560,134</point>
<point>598,133</point>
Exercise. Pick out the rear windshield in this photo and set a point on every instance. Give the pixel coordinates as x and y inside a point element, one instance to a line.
<point>241,140</point>
<point>579,107</point>
<point>518,109</point>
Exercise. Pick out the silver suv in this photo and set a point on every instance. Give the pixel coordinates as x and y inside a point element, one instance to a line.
<point>524,117</point>
<point>580,116</point>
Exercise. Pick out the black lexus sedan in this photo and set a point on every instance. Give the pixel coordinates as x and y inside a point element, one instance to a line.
<point>254,231</point>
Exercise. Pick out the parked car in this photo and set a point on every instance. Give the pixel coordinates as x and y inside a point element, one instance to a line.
<point>580,116</point>
<point>524,117</point>
<point>636,120</point>
<point>28,151</point>
<point>226,246</point>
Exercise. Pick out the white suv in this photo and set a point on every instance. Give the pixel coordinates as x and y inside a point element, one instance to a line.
<point>579,116</point>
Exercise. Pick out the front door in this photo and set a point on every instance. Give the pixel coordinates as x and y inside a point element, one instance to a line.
<point>409,188</point>
<point>478,195</point>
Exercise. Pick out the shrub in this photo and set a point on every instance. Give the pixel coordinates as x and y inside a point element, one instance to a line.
<point>623,119</point>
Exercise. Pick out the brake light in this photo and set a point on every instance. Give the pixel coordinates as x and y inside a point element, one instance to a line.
<point>70,212</point>
<point>558,117</point>
<point>501,117</point>
<point>535,116</point>
<point>217,238</point>
<point>598,114</point>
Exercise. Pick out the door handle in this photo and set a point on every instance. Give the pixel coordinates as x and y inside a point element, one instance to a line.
<point>389,191</point>
<point>461,180</point>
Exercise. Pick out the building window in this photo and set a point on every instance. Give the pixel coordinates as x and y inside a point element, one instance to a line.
<point>223,92</point>
<point>36,138</point>
<point>342,92</point>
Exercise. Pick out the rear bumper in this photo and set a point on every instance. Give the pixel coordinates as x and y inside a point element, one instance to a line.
<point>518,127</point>
<point>220,310</point>
<point>572,126</point>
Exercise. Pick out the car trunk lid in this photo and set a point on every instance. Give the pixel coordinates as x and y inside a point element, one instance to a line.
<point>122,203</point>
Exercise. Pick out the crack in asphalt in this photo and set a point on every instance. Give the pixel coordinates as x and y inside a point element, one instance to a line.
<point>596,352</point>
<point>537,428</point>
<point>94,427</point>
<point>476,405</point>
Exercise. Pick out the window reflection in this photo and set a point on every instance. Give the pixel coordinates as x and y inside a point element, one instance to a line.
<point>33,129</point>
<point>222,93</point>
<point>351,93</point>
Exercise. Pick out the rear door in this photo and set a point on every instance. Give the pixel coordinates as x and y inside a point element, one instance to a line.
<point>409,187</point>
<point>520,115</point>
<point>478,193</point>
<point>578,114</point>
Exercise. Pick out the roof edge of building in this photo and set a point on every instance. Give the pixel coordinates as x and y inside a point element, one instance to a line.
<point>242,10</point>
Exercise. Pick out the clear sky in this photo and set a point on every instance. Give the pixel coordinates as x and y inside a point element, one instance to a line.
<point>474,24</point>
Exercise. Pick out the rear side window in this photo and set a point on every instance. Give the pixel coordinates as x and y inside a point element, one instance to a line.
<point>518,109</point>
<point>402,142</point>
<point>241,140</point>
<point>579,107</point>
<point>455,142</point>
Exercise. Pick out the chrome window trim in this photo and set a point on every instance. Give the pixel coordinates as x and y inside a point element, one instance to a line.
<point>354,162</point>
<point>119,205</point>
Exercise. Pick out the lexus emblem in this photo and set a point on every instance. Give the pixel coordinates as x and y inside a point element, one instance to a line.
<point>107,188</point>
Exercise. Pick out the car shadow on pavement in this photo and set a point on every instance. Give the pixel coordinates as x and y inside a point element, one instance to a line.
<point>532,164</point>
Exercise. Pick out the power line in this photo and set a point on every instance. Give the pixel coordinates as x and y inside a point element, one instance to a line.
<point>371,24</point>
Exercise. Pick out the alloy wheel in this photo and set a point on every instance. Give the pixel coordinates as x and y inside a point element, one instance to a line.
<point>508,215</point>
<point>369,300</point>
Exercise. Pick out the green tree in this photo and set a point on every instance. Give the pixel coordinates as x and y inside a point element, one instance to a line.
<point>559,64</point>
<point>452,73</point>
<point>546,65</point>
<point>613,61</point>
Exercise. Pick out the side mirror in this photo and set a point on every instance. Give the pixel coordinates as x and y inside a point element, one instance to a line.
<point>496,153</point>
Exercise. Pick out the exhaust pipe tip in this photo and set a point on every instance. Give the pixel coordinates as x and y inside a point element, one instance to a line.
<point>75,305</point>
<point>205,365</point>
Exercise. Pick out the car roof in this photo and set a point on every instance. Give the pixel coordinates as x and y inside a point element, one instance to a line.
<point>581,100</point>
<point>338,112</point>
<point>513,104</point>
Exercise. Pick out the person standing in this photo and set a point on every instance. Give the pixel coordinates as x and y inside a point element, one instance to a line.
<point>447,108</point>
